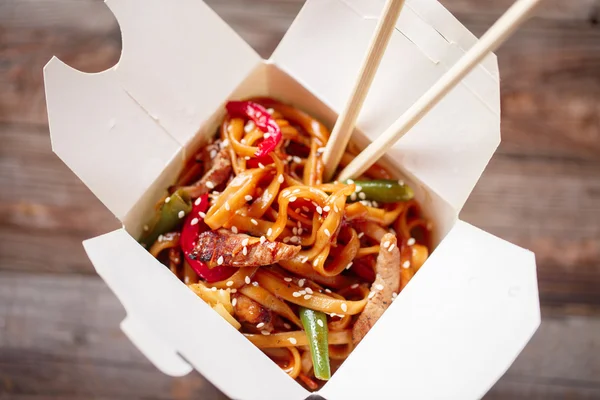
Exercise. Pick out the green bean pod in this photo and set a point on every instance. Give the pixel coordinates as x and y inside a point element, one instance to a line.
<point>168,217</point>
<point>384,190</point>
<point>315,326</point>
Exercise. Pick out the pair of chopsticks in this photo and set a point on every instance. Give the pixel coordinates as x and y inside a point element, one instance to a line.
<point>344,126</point>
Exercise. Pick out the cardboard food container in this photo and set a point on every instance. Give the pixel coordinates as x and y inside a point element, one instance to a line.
<point>462,320</point>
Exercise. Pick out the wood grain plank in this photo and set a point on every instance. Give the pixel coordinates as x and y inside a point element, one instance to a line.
<point>80,350</point>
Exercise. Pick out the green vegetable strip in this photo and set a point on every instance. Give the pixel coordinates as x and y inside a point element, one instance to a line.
<point>384,190</point>
<point>316,332</point>
<point>168,217</point>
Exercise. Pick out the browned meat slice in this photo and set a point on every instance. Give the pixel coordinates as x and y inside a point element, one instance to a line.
<point>255,317</point>
<point>387,282</point>
<point>218,173</point>
<point>223,247</point>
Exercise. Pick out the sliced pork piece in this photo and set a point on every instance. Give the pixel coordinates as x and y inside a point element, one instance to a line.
<point>219,173</point>
<point>387,282</point>
<point>251,314</point>
<point>223,247</point>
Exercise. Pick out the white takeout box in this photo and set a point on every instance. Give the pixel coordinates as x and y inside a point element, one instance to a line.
<point>125,132</point>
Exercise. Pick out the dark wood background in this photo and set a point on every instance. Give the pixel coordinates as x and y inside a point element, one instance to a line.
<point>59,335</point>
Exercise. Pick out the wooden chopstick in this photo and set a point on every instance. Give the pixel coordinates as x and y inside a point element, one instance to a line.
<point>344,126</point>
<point>493,38</point>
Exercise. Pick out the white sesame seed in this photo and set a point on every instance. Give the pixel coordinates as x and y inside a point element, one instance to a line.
<point>326,208</point>
<point>234,229</point>
<point>297,159</point>
<point>391,247</point>
<point>371,295</point>
<point>379,286</point>
<point>316,262</point>
<point>353,197</point>
<point>305,259</point>
<point>375,204</point>
<point>245,251</point>
<point>354,286</point>
<point>245,242</point>
<point>213,153</point>
<point>295,230</point>
<point>321,150</point>
<point>327,291</point>
<point>269,231</point>
<point>296,191</point>
<point>247,280</point>
<point>197,202</point>
<point>285,193</point>
<point>248,197</point>
<point>168,199</point>
<point>229,283</point>
<point>295,239</point>
<point>270,110</point>
<point>335,208</point>
<point>254,283</point>
<point>187,279</point>
<point>234,302</point>
<point>202,215</point>
<point>293,199</point>
<point>214,289</point>
<point>327,232</point>
<point>146,228</point>
<point>344,307</point>
<point>361,234</point>
<point>411,241</point>
<point>249,127</point>
<point>362,195</point>
<point>406,264</point>
<point>320,323</point>
<point>247,158</point>
<point>350,181</point>
<point>181,214</point>
<point>286,239</point>
<point>358,188</point>
<point>234,291</point>
<point>210,185</point>
<point>306,297</point>
<point>261,166</point>
<point>263,239</point>
<point>302,292</point>
<point>266,333</point>
<point>287,279</point>
<point>300,230</point>
<point>400,182</point>
<point>292,340</point>
<point>220,260</point>
<point>260,325</point>
<point>194,221</point>
<point>288,326</point>
<point>301,282</point>
<point>280,178</point>
<point>386,244</point>
<point>394,295</point>
<point>296,294</point>
<point>227,206</point>
<point>255,222</point>
<point>319,210</point>
<point>309,290</point>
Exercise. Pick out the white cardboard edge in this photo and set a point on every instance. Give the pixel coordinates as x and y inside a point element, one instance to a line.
<point>454,330</point>
<point>449,149</point>
<point>170,320</point>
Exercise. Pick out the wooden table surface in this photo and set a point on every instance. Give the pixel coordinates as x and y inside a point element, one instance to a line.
<point>59,334</point>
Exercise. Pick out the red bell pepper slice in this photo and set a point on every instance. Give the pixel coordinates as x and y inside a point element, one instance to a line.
<point>189,237</point>
<point>262,119</point>
<point>253,162</point>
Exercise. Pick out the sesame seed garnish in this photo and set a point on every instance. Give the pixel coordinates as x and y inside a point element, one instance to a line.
<point>309,290</point>
<point>400,182</point>
<point>327,290</point>
<point>361,234</point>
<point>379,286</point>
<point>293,199</point>
<point>349,265</point>
<point>362,195</point>
<point>406,264</point>
<point>375,204</point>
<point>327,232</point>
<point>301,282</point>
<point>295,230</point>
<point>305,259</point>
<point>286,239</point>
<point>350,181</point>
<point>249,127</point>
<point>344,307</point>
<point>353,197</point>
<point>187,279</point>
<point>263,239</point>
<point>287,279</point>
<point>292,340</point>
<point>234,291</point>
<point>168,199</point>
<point>296,191</point>
<point>358,188</point>
<point>300,230</point>
<point>255,222</point>
<point>181,214</point>
<point>234,229</point>
<point>319,210</point>
<point>386,244</point>
<point>194,221</point>
<point>371,295</point>
<point>326,208</point>
<point>394,295</point>
<point>220,260</point>
<point>254,283</point>
<point>270,110</point>
<point>316,262</point>
<point>391,247</point>
<point>269,231</point>
<point>225,142</point>
<point>287,326</point>
<point>411,241</point>
<point>302,292</point>
<point>320,323</point>
<point>247,280</point>
<point>260,325</point>
<point>248,197</point>
<point>261,166</point>
<point>306,297</point>
<point>297,159</point>
<point>210,185</point>
<point>285,193</point>
<point>227,206</point>
<point>245,251</point>
<point>245,242</point>
<point>266,333</point>
<point>213,153</point>
<point>234,302</point>
<point>335,208</point>
<point>354,286</point>
<point>296,294</point>
<point>197,202</point>
<point>280,178</point>
<point>229,283</point>
<point>295,239</point>
<point>202,215</point>
<point>146,228</point>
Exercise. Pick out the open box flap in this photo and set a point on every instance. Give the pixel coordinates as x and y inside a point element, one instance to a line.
<point>168,319</point>
<point>459,323</point>
<point>451,146</point>
<point>104,136</point>
<point>172,52</point>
